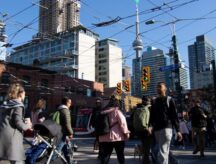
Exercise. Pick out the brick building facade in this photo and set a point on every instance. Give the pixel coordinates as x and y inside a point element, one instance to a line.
<point>50,85</point>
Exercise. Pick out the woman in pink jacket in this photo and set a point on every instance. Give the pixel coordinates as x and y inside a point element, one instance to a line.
<point>118,134</point>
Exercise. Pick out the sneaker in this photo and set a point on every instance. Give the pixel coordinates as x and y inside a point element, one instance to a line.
<point>195,151</point>
<point>202,155</point>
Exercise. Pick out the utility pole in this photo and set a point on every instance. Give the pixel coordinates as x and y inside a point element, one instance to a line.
<point>177,71</point>
<point>214,78</point>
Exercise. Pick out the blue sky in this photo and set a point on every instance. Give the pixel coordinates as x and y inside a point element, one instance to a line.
<point>95,11</point>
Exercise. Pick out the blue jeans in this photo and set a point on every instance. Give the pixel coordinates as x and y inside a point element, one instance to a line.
<point>62,147</point>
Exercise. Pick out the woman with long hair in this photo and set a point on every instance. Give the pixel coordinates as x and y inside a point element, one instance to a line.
<point>12,125</point>
<point>36,116</point>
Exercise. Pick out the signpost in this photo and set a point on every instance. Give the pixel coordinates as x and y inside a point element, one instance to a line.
<point>169,67</point>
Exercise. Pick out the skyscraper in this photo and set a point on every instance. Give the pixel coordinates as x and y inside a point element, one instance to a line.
<point>135,79</point>
<point>155,58</point>
<point>108,62</point>
<point>200,55</point>
<point>183,77</point>
<point>58,15</point>
<point>126,72</point>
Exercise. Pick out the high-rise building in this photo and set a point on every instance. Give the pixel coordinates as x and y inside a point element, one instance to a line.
<point>58,16</point>
<point>155,58</point>
<point>3,50</point>
<point>183,76</point>
<point>126,72</point>
<point>200,55</point>
<point>71,53</point>
<point>108,62</point>
<point>135,79</point>
<point>204,79</point>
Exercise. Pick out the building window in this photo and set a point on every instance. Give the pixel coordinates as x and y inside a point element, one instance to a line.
<point>103,61</point>
<point>67,89</point>
<point>5,78</point>
<point>102,55</point>
<point>101,49</point>
<point>103,73</point>
<point>102,79</point>
<point>102,43</point>
<point>27,81</point>
<point>81,91</point>
<point>89,92</point>
<point>102,68</point>
<point>44,83</point>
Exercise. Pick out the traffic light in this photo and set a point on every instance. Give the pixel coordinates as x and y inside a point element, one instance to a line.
<point>127,85</point>
<point>119,88</point>
<point>144,86</point>
<point>146,74</point>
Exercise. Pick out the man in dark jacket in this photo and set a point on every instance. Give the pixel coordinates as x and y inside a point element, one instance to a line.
<point>95,113</point>
<point>65,122</point>
<point>163,118</point>
<point>199,123</point>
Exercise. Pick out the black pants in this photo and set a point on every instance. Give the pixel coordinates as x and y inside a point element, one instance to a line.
<point>146,145</point>
<point>107,148</point>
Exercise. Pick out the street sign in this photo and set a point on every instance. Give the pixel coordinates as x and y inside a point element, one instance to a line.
<point>169,67</point>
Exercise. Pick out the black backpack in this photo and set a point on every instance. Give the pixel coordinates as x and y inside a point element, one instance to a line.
<point>102,125</point>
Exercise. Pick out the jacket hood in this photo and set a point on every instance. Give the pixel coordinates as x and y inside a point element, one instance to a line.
<point>12,104</point>
<point>62,107</point>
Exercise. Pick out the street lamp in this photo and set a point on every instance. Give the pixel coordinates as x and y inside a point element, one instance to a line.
<point>175,55</point>
<point>170,24</point>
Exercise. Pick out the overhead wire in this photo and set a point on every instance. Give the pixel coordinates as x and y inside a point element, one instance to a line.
<point>19,12</point>
<point>193,21</point>
<point>154,4</point>
<point>32,22</point>
<point>127,29</point>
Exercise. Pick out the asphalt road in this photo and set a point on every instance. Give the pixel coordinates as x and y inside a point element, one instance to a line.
<point>85,154</point>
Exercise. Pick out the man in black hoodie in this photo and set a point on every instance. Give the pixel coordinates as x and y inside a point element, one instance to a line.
<point>163,118</point>
<point>95,114</point>
<point>199,123</point>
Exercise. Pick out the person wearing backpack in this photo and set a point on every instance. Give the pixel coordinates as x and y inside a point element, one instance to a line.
<point>62,116</point>
<point>115,132</point>
<point>163,118</point>
<point>141,117</point>
<point>12,126</point>
<point>94,121</point>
